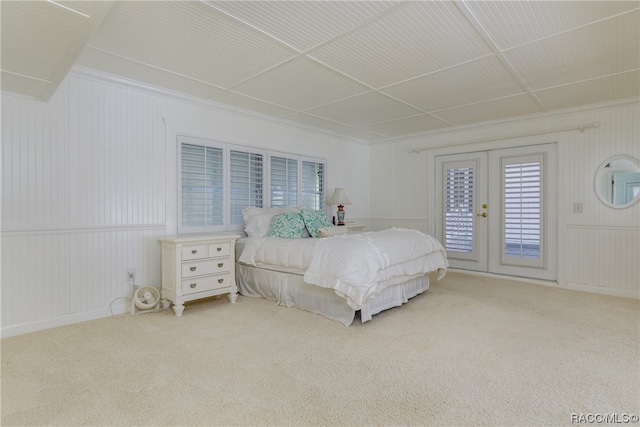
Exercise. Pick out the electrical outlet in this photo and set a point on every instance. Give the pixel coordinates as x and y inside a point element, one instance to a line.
<point>131,274</point>
<point>577,207</point>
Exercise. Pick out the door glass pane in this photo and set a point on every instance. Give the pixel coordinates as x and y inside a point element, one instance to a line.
<point>458,209</point>
<point>522,209</point>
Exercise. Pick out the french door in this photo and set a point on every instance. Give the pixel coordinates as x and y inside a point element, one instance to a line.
<point>496,210</point>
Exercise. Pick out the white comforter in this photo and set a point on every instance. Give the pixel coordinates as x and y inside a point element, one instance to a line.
<point>356,266</point>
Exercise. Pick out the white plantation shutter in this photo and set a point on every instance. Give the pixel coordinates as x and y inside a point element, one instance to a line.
<point>284,182</point>
<point>312,185</point>
<point>522,204</point>
<point>217,181</point>
<point>459,208</point>
<point>246,177</point>
<point>202,186</point>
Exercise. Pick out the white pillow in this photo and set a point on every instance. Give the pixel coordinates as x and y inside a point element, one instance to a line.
<point>249,213</point>
<point>258,220</point>
<point>332,231</point>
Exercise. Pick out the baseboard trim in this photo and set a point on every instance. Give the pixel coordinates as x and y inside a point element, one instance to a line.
<point>117,307</point>
<point>569,285</point>
<point>603,291</point>
<point>552,284</point>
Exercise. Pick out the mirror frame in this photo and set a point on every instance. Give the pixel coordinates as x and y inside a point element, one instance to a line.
<point>596,187</point>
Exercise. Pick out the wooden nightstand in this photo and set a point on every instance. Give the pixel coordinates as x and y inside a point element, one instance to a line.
<point>355,228</point>
<point>195,267</point>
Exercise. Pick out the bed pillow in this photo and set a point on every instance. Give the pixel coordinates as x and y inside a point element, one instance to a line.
<point>258,220</point>
<point>332,231</point>
<point>313,219</point>
<point>287,225</point>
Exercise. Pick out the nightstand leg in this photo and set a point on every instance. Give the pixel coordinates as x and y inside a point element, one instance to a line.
<point>178,309</point>
<point>232,297</point>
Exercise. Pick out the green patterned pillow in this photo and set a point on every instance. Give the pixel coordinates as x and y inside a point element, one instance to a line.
<point>287,225</point>
<point>313,220</point>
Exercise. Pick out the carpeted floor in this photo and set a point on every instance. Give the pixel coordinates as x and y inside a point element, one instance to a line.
<point>470,351</point>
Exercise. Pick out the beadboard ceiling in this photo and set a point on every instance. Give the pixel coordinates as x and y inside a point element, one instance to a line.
<point>365,70</point>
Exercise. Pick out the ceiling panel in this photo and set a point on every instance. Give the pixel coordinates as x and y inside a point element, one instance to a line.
<point>241,101</point>
<point>407,126</point>
<point>137,71</point>
<point>513,23</point>
<point>471,82</point>
<point>592,91</point>
<point>608,47</point>
<point>491,110</point>
<point>300,84</point>
<point>188,38</point>
<point>303,24</point>
<point>364,109</point>
<point>36,37</point>
<point>24,86</point>
<point>414,40</point>
<point>314,121</point>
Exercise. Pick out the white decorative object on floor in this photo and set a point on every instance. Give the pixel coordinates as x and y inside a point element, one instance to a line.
<point>145,299</point>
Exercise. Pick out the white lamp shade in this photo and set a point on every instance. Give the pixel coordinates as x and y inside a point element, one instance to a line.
<point>339,197</point>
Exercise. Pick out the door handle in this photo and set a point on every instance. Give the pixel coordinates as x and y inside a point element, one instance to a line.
<point>483,214</point>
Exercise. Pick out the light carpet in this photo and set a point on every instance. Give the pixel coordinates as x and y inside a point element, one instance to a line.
<point>470,351</point>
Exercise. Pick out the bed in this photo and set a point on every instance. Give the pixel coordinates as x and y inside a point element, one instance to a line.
<point>296,258</point>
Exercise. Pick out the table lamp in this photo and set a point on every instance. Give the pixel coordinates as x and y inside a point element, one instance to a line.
<point>339,198</point>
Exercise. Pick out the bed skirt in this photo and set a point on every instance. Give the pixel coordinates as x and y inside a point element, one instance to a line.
<point>290,290</point>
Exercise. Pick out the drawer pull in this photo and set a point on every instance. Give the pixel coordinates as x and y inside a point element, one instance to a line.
<point>218,249</point>
<point>194,251</point>
<point>220,280</point>
<point>193,285</point>
<point>220,264</point>
<point>192,268</point>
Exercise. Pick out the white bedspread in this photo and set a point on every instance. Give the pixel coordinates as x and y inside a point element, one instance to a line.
<point>356,266</point>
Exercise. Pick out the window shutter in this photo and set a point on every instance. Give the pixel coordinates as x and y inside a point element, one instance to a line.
<point>313,185</point>
<point>202,186</point>
<point>246,174</point>
<point>284,182</point>
<point>459,207</point>
<point>522,209</point>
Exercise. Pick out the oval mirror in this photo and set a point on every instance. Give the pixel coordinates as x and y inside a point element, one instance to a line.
<point>617,181</point>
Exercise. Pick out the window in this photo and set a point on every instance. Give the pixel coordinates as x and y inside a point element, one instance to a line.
<point>284,182</point>
<point>312,185</point>
<point>245,183</point>
<point>218,181</point>
<point>202,186</point>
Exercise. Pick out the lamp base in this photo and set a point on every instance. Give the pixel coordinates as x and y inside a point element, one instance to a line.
<point>340,215</point>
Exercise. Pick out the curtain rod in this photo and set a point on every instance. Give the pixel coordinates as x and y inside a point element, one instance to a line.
<point>580,128</point>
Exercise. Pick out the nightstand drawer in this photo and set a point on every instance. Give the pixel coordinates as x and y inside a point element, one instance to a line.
<point>203,284</point>
<point>219,249</point>
<point>195,252</point>
<point>209,266</point>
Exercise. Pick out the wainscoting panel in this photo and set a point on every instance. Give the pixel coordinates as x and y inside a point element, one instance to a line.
<point>604,258</point>
<point>65,272</point>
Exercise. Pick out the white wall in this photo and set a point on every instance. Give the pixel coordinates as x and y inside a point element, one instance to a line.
<point>86,191</point>
<point>599,249</point>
